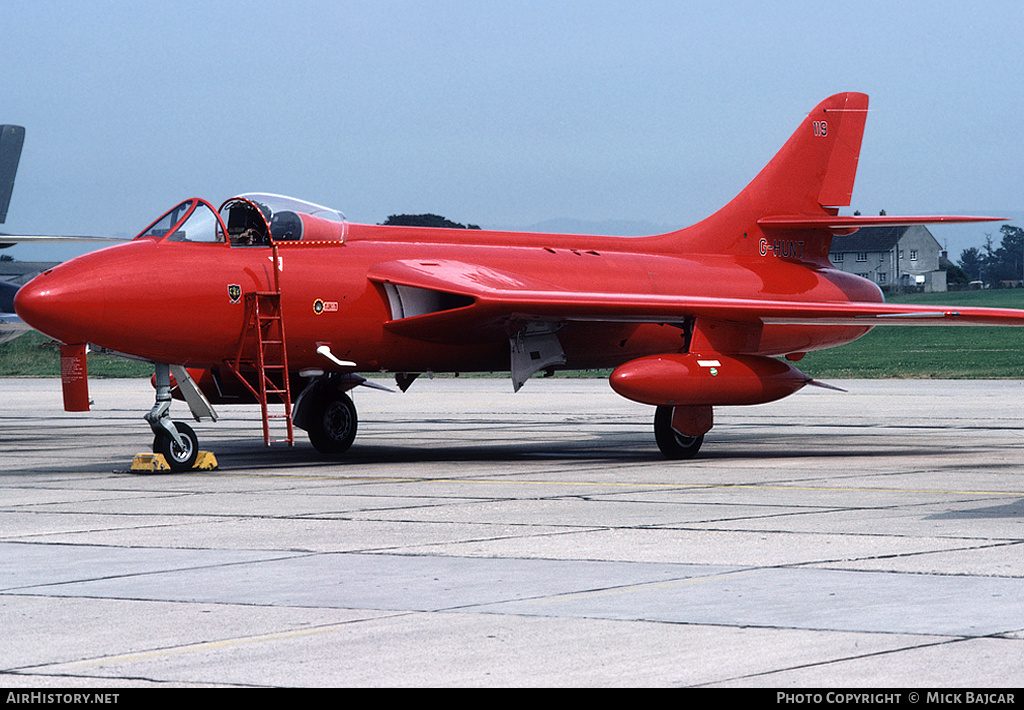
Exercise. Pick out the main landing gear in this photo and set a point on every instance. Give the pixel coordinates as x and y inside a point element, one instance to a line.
<point>331,423</point>
<point>328,414</point>
<point>673,444</point>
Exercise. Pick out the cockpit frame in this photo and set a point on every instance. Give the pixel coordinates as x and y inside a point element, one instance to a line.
<point>254,219</point>
<point>247,222</point>
<point>193,220</point>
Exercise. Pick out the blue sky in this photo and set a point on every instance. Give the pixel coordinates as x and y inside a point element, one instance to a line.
<point>499,113</point>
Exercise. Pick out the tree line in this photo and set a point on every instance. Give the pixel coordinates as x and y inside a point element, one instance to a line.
<point>996,265</point>
<point>425,220</point>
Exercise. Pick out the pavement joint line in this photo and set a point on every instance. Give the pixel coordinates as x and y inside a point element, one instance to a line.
<point>209,645</point>
<point>843,659</point>
<point>607,484</point>
<point>628,588</point>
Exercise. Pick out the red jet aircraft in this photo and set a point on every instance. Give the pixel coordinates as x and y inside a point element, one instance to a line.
<point>689,320</point>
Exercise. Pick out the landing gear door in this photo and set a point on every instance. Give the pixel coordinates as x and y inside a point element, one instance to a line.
<point>534,348</point>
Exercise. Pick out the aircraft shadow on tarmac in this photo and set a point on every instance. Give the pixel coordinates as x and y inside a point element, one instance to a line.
<point>491,443</point>
<point>596,449</point>
<point>1006,510</point>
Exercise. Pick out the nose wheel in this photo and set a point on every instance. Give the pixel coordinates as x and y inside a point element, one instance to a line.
<point>179,456</point>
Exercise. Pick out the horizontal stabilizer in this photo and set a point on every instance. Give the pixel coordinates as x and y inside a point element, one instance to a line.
<point>840,224</point>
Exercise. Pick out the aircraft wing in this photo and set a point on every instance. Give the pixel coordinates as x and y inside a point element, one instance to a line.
<point>445,301</point>
<point>8,239</point>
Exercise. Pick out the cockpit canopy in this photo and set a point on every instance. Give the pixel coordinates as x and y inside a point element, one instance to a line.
<point>192,221</point>
<point>252,219</point>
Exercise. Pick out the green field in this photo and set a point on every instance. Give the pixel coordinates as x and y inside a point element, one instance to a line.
<point>35,355</point>
<point>942,352</point>
<point>886,352</point>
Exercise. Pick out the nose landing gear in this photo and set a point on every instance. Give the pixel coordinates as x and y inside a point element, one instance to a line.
<point>179,456</point>
<point>174,440</point>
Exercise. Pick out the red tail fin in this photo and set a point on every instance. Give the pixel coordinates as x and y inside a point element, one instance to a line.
<point>811,176</point>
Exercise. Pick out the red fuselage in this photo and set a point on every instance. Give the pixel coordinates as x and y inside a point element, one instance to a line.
<point>178,302</point>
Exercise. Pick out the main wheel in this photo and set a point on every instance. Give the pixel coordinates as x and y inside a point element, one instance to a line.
<point>332,423</point>
<point>673,445</point>
<point>179,458</point>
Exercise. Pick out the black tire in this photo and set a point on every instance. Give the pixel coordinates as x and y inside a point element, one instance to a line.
<point>673,445</point>
<point>332,423</point>
<point>178,458</point>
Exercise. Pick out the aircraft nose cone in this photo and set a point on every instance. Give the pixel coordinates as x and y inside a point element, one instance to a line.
<point>30,303</point>
<point>58,303</point>
<point>36,304</point>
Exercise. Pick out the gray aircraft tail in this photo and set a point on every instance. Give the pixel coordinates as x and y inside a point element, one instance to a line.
<point>11,140</point>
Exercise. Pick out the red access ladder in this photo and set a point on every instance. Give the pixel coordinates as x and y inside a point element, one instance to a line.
<point>264,324</point>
